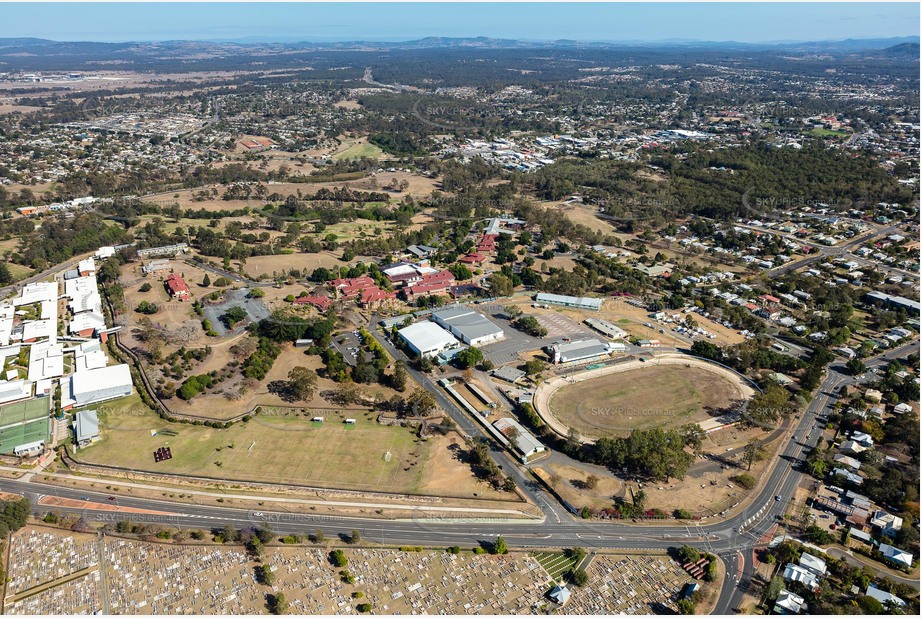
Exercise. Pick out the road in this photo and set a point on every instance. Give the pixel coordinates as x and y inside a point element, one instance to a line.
<point>733,539</point>
<point>835,251</point>
<point>15,287</point>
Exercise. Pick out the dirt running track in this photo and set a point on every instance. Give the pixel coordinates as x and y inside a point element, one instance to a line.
<point>545,391</point>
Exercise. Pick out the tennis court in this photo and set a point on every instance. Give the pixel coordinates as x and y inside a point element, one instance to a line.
<point>24,422</point>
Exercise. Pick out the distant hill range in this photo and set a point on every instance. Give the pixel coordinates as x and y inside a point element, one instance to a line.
<point>32,54</point>
<point>897,46</point>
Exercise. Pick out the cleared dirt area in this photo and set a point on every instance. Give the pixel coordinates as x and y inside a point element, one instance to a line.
<point>634,319</point>
<point>584,215</point>
<point>419,186</point>
<point>707,489</point>
<point>651,396</point>
<point>570,483</point>
<point>276,264</point>
<point>10,108</point>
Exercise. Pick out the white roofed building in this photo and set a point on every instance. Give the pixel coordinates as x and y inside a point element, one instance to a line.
<point>897,556</point>
<point>796,573</point>
<point>427,339</point>
<point>577,302</point>
<point>86,427</point>
<point>471,327</point>
<point>581,350</point>
<point>86,267</point>
<point>86,324</point>
<point>95,385</point>
<point>36,293</point>
<point>519,437</point>
<point>15,390</point>
<point>788,603</point>
<point>813,563</point>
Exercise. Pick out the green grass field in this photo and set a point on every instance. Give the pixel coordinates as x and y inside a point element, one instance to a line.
<point>359,151</point>
<point>556,564</point>
<point>19,271</point>
<point>275,446</point>
<point>651,396</point>
<point>23,422</point>
<point>829,133</point>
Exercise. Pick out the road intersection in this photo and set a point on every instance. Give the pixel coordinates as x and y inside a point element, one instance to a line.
<point>733,539</point>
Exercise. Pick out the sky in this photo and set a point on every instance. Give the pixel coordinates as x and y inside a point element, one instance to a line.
<point>324,22</point>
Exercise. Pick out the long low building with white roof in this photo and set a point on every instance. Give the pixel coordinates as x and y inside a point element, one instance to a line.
<point>96,385</point>
<point>576,302</point>
<point>580,350</point>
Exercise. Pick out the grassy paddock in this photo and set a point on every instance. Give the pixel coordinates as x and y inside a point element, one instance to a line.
<point>359,151</point>
<point>278,447</point>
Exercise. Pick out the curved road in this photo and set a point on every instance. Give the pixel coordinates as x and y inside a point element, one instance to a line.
<point>733,539</point>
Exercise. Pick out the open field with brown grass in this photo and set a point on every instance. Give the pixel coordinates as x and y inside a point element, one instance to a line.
<point>284,446</point>
<point>419,186</point>
<point>653,396</point>
<point>707,488</point>
<point>306,262</point>
<point>569,482</point>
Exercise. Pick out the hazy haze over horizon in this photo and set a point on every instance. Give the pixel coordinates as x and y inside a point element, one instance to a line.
<point>328,22</point>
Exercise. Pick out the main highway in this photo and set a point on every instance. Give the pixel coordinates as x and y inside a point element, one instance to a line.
<point>733,538</point>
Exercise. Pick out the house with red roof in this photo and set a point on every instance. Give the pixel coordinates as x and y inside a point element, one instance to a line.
<point>487,243</point>
<point>177,288</point>
<point>320,302</point>
<point>472,258</point>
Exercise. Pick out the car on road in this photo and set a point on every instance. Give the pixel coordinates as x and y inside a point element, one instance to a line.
<point>777,498</point>
<point>257,514</point>
<point>112,498</point>
<point>85,498</point>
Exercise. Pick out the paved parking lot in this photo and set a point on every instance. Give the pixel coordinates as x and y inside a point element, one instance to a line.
<point>349,345</point>
<point>508,350</point>
<point>558,325</point>
<point>255,309</point>
<point>516,342</point>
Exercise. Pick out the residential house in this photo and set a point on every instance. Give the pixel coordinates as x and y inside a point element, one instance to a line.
<point>887,523</point>
<point>177,288</point>
<point>896,556</point>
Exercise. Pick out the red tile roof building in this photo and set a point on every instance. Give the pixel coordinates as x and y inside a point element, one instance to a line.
<point>434,283</point>
<point>320,302</point>
<point>472,258</point>
<point>487,243</point>
<point>177,287</point>
<point>375,297</point>
<point>351,288</point>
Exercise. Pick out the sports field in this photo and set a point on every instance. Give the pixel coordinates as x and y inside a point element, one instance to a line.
<point>361,150</point>
<point>23,422</point>
<point>276,446</point>
<point>650,396</point>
